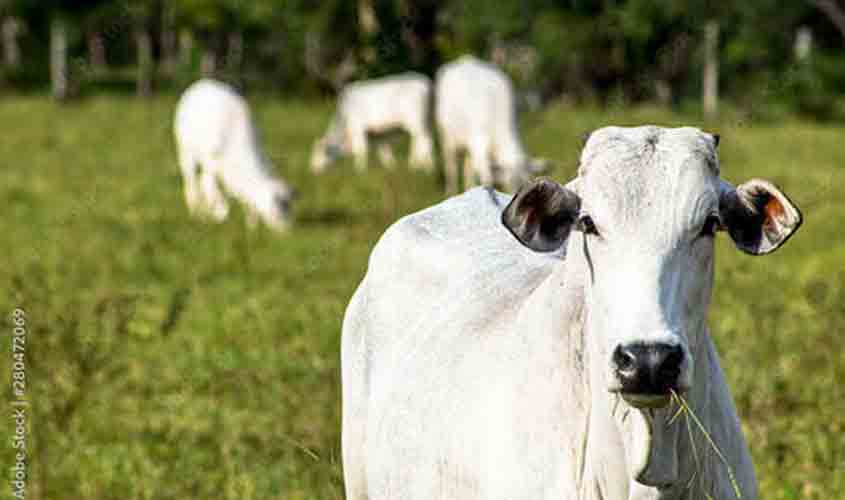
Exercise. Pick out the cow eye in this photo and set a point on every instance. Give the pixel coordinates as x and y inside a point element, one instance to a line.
<point>711,225</point>
<point>586,225</point>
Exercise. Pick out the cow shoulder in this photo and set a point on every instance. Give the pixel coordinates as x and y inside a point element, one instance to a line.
<point>452,244</point>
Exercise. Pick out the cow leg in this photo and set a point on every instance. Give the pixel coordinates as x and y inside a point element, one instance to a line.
<point>190,180</point>
<point>450,167</point>
<point>252,217</point>
<point>215,201</point>
<point>421,150</point>
<point>478,164</point>
<point>358,148</point>
<point>469,172</point>
<point>385,155</point>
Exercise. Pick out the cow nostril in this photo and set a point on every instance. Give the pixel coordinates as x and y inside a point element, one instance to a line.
<point>625,360</point>
<point>648,368</point>
<point>670,368</point>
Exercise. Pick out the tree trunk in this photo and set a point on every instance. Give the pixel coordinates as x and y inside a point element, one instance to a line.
<point>96,52</point>
<point>367,20</point>
<point>169,50</point>
<point>208,62</point>
<point>710,83</point>
<point>663,92</point>
<point>59,72</point>
<point>146,65</point>
<point>419,31</point>
<point>11,49</point>
<point>833,12</point>
<point>803,43</point>
<point>235,52</point>
<point>186,50</point>
<point>368,27</point>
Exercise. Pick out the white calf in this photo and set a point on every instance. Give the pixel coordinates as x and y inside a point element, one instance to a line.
<point>217,142</point>
<point>476,112</point>
<point>398,102</point>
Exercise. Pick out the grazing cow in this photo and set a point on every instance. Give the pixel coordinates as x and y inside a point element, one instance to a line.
<point>379,106</point>
<point>217,143</point>
<point>476,113</point>
<point>531,347</point>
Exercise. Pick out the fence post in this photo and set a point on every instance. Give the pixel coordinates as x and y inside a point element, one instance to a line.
<point>59,73</point>
<point>710,84</point>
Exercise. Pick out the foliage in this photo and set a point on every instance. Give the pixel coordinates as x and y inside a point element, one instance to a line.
<point>632,50</point>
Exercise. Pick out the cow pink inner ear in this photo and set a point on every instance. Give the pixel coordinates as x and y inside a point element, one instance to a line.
<point>774,209</point>
<point>529,214</point>
<point>776,218</point>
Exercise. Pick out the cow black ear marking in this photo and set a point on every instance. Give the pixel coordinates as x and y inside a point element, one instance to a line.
<point>541,215</point>
<point>758,216</point>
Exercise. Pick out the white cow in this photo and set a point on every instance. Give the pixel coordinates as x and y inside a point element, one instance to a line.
<point>399,102</point>
<point>530,353</point>
<point>476,113</point>
<point>217,143</point>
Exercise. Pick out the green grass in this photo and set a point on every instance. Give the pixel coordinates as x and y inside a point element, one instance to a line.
<point>168,358</point>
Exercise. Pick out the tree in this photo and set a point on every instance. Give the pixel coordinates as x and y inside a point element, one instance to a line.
<point>144,15</point>
<point>11,26</point>
<point>833,11</point>
<point>332,44</point>
<point>100,26</point>
<point>63,15</point>
<point>710,77</point>
<point>11,29</point>
<point>419,31</point>
<point>59,70</point>
<point>206,19</point>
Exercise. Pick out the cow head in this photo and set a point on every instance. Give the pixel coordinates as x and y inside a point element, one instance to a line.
<point>644,212</point>
<point>272,203</point>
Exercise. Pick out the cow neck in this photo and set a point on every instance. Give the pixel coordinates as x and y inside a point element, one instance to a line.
<point>611,426</point>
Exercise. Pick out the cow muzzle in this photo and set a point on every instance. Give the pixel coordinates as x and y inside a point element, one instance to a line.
<point>648,373</point>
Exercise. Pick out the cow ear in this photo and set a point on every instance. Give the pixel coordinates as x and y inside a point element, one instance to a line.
<point>541,214</point>
<point>758,216</point>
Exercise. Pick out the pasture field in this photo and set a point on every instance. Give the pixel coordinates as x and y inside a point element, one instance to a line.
<point>172,359</point>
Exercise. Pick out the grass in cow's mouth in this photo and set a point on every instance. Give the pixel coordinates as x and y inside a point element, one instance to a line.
<point>646,400</point>
<point>691,417</point>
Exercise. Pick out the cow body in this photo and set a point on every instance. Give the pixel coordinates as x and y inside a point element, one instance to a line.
<point>378,106</point>
<point>219,147</point>
<point>475,112</point>
<point>475,368</point>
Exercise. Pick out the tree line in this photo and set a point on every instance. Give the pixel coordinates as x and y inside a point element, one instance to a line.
<point>667,51</point>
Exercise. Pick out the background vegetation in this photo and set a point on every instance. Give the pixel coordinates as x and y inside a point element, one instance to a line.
<point>773,56</point>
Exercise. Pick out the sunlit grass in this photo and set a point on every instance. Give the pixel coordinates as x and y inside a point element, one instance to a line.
<point>175,359</point>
